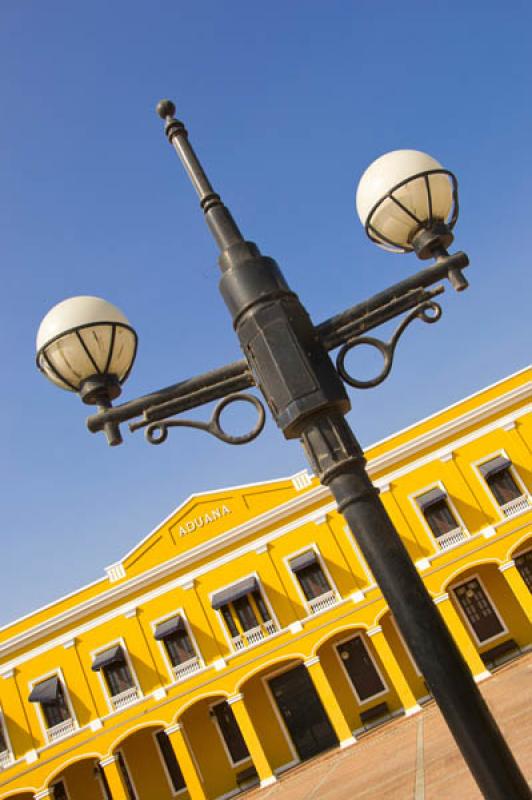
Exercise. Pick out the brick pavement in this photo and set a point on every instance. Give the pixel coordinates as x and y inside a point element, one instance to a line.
<point>414,758</point>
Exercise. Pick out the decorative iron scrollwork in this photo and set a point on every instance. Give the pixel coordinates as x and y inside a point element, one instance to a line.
<point>157,432</point>
<point>428,311</point>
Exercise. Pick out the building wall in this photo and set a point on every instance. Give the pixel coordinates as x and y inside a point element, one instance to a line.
<point>215,540</point>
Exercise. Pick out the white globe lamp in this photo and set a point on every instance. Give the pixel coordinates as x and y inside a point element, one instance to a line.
<point>407,201</point>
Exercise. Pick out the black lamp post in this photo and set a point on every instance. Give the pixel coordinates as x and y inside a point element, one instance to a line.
<point>407,202</point>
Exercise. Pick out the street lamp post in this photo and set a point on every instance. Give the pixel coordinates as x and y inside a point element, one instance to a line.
<point>406,201</point>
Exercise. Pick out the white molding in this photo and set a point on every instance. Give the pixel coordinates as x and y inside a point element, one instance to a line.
<point>106,761</point>
<point>9,673</point>
<point>509,426</point>
<point>446,457</point>
<point>42,795</point>
<point>374,631</point>
<point>219,664</point>
<point>309,662</point>
<point>31,756</point>
<point>357,596</point>
<point>482,676</point>
<point>187,585</point>
<point>159,694</point>
<point>301,480</point>
<point>236,698</point>
<point>348,742</point>
<point>422,564</point>
<point>434,455</point>
<point>177,726</point>
<point>70,643</point>
<point>451,427</point>
<point>115,572</point>
<point>409,712</point>
<point>131,613</point>
<point>268,781</point>
<point>488,531</point>
<point>441,598</point>
<point>429,438</point>
<point>155,574</point>
<point>261,549</point>
<point>507,565</point>
<point>95,725</point>
<point>320,520</point>
<point>295,627</point>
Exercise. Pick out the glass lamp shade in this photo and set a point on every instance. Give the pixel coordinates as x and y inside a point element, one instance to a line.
<point>400,193</point>
<point>84,337</point>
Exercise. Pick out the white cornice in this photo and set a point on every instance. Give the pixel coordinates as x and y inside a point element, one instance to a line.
<point>451,428</point>
<point>273,517</point>
<point>161,571</point>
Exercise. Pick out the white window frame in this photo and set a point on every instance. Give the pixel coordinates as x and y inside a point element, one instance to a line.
<point>516,555</point>
<point>162,647</point>
<point>418,494</point>
<point>58,672</point>
<point>461,582</point>
<point>216,724</point>
<point>101,678</point>
<point>65,784</point>
<point>219,616</point>
<point>173,792</point>
<point>121,751</point>
<point>7,738</point>
<point>312,546</point>
<point>373,697</point>
<point>513,472</point>
<point>265,679</point>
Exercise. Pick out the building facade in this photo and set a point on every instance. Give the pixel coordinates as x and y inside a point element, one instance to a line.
<point>246,634</point>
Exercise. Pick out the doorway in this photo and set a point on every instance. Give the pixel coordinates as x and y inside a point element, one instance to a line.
<point>302,712</point>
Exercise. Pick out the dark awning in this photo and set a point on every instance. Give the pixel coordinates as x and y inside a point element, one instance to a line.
<point>428,499</point>
<point>304,560</point>
<point>115,655</point>
<point>169,627</point>
<point>234,592</point>
<point>495,465</point>
<point>46,692</point>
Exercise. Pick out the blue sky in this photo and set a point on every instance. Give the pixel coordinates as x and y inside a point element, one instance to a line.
<point>286,103</point>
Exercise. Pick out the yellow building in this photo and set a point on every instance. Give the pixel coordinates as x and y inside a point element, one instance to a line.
<point>246,634</point>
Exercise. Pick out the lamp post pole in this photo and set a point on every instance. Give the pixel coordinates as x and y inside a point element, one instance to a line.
<point>286,357</point>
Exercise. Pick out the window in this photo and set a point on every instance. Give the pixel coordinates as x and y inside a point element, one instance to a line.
<point>55,710</point>
<point>230,732</point>
<point>439,517</point>
<point>478,610</point>
<point>178,645</point>
<point>122,766</point>
<point>244,612</point>
<point>59,791</point>
<point>170,761</point>
<point>5,751</point>
<point>310,575</point>
<point>498,475</point>
<point>117,674</point>
<point>524,565</point>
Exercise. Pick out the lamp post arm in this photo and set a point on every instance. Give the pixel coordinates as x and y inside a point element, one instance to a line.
<point>189,393</point>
